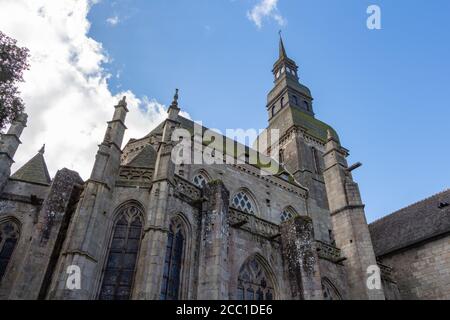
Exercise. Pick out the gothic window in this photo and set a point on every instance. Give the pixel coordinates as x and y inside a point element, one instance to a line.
<point>295,100</point>
<point>9,235</point>
<point>316,161</point>
<point>243,202</point>
<point>281,156</point>
<point>121,263</point>
<point>287,214</point>
<point>306,105</point>
<point>200,180</point>
<point>282,103</point>
<point>170,288</point>
<point>273,111</point>
<point>329,290</point>
<point>253,282</point>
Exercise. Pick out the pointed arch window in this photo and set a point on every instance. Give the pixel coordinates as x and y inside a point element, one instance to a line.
<point>316,160</point>
<point>173,262</point>
<point>200,180</point>
<point>121,262</point>
<point>253,282</point>
<point>9,235</point>
<point>243,202</point>
<point>287,214</point>
<point>329,290</point>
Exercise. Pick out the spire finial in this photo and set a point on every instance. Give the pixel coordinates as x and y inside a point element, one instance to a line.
<point>282,49</point>
<point>42,150</point>
<point>123,102</point>
<point>175,98</point>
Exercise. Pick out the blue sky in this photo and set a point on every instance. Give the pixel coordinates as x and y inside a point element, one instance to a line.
<point>385,91</point>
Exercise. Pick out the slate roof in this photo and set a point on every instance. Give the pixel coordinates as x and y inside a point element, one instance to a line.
<point>189,125</point>
<point>34,171</point>
<point>146,158</point>
<point>413,224</point>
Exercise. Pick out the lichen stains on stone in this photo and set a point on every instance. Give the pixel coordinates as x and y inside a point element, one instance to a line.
<point>58,198</point>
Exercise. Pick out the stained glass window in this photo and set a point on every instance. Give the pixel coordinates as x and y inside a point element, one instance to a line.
<point>200,180</point>
<point>253,282</point>
<point>9,235</point>
<point>170,287</point>
<point>287,214</point>
<point>121,263</point>
<point>243,202</point>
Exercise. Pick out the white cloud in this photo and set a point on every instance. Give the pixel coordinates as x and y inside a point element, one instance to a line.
<point>113,21</point>
<point>265,9</point>
<point>66,93</point>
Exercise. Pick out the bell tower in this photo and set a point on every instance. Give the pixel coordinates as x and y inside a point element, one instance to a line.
<point>287,92</point>
<point>302,137</point>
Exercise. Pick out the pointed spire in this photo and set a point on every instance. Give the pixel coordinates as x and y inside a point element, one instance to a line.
<point>174,109</point>
<point>34,171</point>
<point>42,150</point>
<point>283,54</point>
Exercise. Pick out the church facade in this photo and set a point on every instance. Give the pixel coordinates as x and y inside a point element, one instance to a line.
<point>144,227</point>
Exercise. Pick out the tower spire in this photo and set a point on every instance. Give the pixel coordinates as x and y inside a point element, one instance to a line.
<point>174,110</point>
<point>283,54</point>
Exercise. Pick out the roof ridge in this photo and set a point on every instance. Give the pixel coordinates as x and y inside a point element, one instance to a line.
<point>411,205</point>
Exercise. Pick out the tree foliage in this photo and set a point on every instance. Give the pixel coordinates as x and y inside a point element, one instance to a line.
<point>13,62</point>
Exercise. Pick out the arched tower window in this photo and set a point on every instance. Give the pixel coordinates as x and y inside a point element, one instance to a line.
<point>200,180</point>
<point>287,214</point>
<point>121,263</point>
<point>307,106</point>
<point>9,235</point>
<point>316,160</point>
<point>253,282</point>
<point>173,262</point>
<point>282,103</point>
<point>243,202</point>
<point>329,290</point>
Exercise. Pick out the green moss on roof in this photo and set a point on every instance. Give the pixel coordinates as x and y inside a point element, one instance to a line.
<point>314,127</point>
<point>237,151</point>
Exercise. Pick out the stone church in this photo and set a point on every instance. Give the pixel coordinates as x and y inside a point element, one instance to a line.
<point>144,227</point>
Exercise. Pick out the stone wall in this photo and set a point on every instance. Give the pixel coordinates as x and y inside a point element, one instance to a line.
<point>336,274</point>
<point>20,202</point>
<point>271,194</point>
<point>423,271</point>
